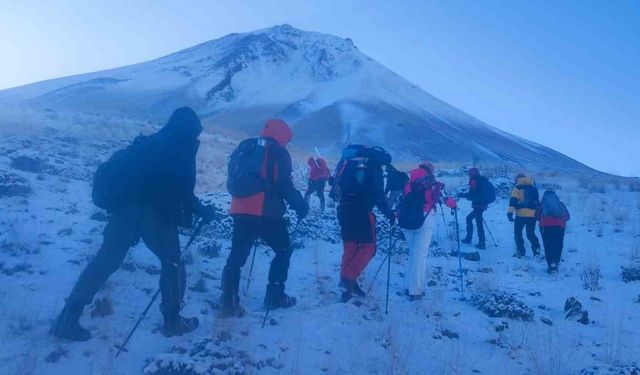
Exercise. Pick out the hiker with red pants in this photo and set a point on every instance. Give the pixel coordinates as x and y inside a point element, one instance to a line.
<point>359,187</point>
<point>552,215</point>
<point>319,174</point>
<point>479,205</point>
<point>258,205</point>
<point>416,216</point>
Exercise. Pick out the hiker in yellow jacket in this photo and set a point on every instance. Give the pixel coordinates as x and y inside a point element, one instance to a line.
<point>523,203</point>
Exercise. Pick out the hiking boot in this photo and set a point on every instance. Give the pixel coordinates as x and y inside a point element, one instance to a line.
<point>481,246</point>
<point>413,298</point>
<point>66,326</point>
<point>176,325</point>
<point>276,297</point>
<point>466,240</point>
<point>357,290</point>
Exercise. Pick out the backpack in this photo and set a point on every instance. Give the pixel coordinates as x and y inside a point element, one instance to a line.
<point>119,180</point>
<point>487,190</point>
<point>411,214</point>
<point>530,197</point>
<point>350,181</point>
<point>551,206</point>
<point>244,168</point>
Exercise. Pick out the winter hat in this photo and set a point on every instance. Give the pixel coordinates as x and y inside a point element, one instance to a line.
<point>427,166</point>
<point>474,172</point>
<point>278,130</point>
<point>549,192</point>
<point>416,174</point>
<point>183,124</point>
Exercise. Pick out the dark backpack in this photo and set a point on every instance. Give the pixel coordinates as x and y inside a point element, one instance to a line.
<point>411,214</point>
<point>487,190</point>
<point>350,180</point>
<point>244,168</point>
<point>551,206</point>
<point>530,197</point>
<point>118,181</point>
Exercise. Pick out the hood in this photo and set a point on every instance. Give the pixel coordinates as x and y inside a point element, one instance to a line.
<point>474,172</point>
<point>417,174</point>
<point>183,125</point>
<point>548,193</point>
<point>427,166</point>
<point>278,130</point>
<point>526,181</point>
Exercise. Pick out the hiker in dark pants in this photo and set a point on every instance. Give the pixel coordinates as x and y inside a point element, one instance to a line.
<point>319,174</point>
<point>523,203</point>
<point>479,206</point>
<point>261,215</point>
<point>152,208</point>
<point>553,216</point>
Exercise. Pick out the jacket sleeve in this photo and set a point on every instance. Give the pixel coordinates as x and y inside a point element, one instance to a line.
<point>378,191</point>
<point>513,201</point>
<point>539,212</point>
<point>567,215</point>
<point>284,182</point>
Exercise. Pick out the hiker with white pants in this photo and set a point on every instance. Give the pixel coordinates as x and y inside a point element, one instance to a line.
<point>417,217</point>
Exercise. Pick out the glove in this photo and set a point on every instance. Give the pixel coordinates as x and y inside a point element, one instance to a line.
<point>302,211</point>
<point>451,203</point>
<point>510,217</point>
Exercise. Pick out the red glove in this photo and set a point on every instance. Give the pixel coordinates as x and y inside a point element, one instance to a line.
<point>451,203</point>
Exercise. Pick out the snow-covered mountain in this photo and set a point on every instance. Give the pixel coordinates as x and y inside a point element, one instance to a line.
<point>328,89</point>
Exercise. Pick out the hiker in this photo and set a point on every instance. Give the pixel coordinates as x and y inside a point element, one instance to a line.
<point>147,189</point>
<point>359,187</point>
<point>481,194</point>
<point>416,217</point>
<point>523,203</point>
<point>394,188</point>
<point>553,216</point>
<point>319,174</point>
<point>257,208</point>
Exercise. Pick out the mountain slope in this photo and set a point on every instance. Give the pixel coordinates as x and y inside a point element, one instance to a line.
<point>330,91</point>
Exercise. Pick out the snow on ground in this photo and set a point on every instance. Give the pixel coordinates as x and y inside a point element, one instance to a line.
<point>49,229</point>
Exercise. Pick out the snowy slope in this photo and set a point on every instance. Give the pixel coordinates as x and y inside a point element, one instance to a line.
<point>49,230</point>
<point>329,90</point>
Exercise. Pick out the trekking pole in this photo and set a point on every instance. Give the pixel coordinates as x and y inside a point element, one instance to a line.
<point>386,257</point>
<point>455,213</point>
<point>123,347</point>
<point>386,308</point>
<point>253,259</point>
<point>490,234</point>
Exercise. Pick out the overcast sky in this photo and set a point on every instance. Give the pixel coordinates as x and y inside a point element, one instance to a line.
<point>564,74</point>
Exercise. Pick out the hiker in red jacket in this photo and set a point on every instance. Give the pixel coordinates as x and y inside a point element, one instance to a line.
<point>319,174</point>
<point>553,216</point>
<point>261,215</point>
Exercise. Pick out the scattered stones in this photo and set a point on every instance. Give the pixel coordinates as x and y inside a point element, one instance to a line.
<point>211,250</point>
<point>631,273</point>
<point>12,185</point>
<point>573,310</point>
<point>28,164</point>
<point>209,356</point>
<point>450,334</point>
<point>22,267</point>
<point>473,256</point>
<point>632,368</point>
<point>497,304</point>
<point>546,321</point>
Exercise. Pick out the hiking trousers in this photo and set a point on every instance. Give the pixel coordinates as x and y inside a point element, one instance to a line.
<point>317,187</point>
<point>553,240</point>
<point>476,215</point>
<point>124,229</point>
<point>530,224</point>
<point>419,241</point>
<point>246,230</point>
<point>358,228</point>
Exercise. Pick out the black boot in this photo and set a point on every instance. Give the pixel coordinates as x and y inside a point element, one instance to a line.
<point>230,300</point>
<point>176,325</point>
<point>466,240</point>
<point>67,326</point>
<point>481,245</point>
<point>355,288</point>
<point>276,297</point>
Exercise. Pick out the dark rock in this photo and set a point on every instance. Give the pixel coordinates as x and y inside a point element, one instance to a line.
<point>432,283</point>
<point>28,164</point>
<point>449,334</point>
<point>12,185</point>
<point>632,368</point>
<point>573,310</point>
<point>501,304</point>
<point>546,321</point>
<point>630,274</point>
